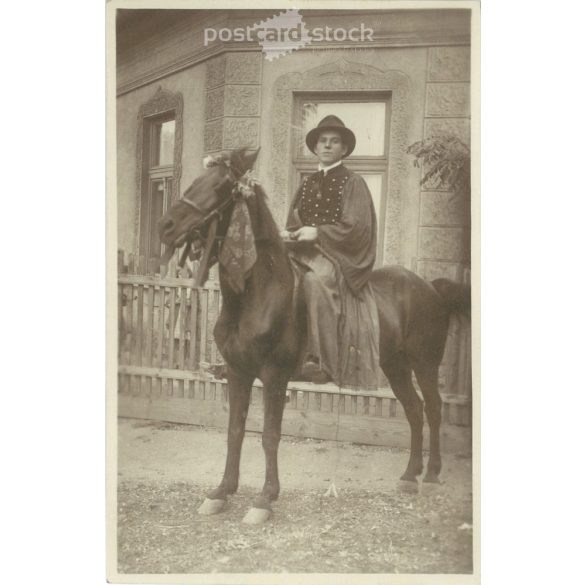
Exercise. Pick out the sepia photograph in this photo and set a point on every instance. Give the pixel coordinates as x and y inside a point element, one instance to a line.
<point>293,389</point>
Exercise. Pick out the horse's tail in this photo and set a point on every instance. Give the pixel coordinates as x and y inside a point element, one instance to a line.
<point>456,297</point>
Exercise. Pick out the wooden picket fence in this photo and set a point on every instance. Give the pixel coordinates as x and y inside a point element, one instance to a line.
<point>168,370</point>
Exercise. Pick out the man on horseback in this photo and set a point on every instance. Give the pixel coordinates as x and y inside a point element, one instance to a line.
<point>331,229</point>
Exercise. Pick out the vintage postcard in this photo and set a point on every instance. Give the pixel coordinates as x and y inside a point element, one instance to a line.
<point>293,206</point>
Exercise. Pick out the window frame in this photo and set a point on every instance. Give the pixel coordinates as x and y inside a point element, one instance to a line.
<point>162,103</point>
<point>362,164</point>
<point>152,173</point>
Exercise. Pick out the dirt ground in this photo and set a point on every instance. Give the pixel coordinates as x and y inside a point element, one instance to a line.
<point>165,470</point>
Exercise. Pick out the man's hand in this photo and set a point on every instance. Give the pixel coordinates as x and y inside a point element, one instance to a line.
<point>305,234</point>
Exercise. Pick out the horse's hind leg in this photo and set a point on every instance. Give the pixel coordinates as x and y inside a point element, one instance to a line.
<point>239,387</point>
<point>275,382</point>
<point>399,374</point>
<point>427,377</point>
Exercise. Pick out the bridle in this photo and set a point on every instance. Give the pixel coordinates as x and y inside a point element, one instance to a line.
<point>210,221</point>
<point>215,213</point>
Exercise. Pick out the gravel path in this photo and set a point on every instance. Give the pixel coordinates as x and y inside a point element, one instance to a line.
<point>372,527</point>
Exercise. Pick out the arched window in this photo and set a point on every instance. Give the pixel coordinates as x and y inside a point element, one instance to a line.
<point>374,104</point>
<point>159,165</point>
<point>368,116</point>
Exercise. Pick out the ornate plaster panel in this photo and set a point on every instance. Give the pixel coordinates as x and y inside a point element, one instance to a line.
<point>213,135</point>
<point>215,72</point>
<point>240,132</point>
<point>242,100</point>
<point>449,64</point>
<point>447,99</point>
<point>214,103</point>
<point>233,101</point>
<point>243,67</point>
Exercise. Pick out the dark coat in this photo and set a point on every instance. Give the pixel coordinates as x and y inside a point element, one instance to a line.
<point>345,219</point>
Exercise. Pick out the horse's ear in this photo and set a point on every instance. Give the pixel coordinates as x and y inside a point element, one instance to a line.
<point>245,158</point>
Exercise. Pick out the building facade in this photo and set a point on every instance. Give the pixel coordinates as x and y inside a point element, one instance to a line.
<point>180,98</point>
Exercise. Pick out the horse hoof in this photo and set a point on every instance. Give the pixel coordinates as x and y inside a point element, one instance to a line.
<point>408,486</point>
<point>210,507</point>
<point>256,516</point>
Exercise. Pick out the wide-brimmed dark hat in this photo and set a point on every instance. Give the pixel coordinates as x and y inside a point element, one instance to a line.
<point>331,123</point>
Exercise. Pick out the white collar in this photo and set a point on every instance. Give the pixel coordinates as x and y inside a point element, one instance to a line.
<point>327,169</point>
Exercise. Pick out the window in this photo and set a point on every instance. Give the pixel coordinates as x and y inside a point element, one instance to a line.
<point>157,184</point>
<point>368,116</point>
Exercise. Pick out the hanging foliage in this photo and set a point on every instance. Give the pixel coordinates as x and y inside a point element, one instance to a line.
<point>446,161</point>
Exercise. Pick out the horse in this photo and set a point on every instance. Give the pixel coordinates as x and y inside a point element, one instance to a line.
<point>260,329</point>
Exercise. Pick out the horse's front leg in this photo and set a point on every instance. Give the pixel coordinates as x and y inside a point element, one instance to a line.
<point>239,387</point>
<point>275,382</point>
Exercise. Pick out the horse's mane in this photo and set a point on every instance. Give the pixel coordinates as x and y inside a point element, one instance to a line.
<point>263,224</point>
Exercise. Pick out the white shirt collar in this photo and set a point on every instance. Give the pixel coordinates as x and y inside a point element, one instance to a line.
<point>327,169</point>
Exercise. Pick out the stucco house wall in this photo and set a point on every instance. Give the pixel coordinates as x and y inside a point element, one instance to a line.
<point>232,96</point>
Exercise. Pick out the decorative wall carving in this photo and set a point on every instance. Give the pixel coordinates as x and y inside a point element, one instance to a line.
<point>243,67</point>
<point>162,102</point>
<point>213,136</point>
<point>242,100</point>
<point>233,101</point>
<point>449,64</point>
<point>338,76</point>
<point>448,99</point>
<point>240,132</point>
<point>214,103</point>
<point>215,72</point>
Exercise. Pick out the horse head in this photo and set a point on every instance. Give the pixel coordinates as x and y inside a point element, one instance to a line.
<point>209,194</point>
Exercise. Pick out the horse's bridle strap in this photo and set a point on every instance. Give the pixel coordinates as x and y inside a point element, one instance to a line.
<point>213,216</point>
<point>191,203</point>
<point>217,211</point>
